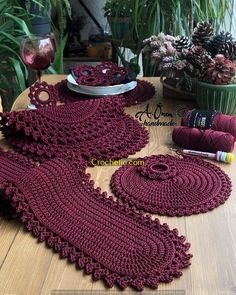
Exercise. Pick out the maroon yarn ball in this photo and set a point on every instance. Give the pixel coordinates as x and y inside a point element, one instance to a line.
<point>220,122</point>
<point>225,123</point>
<point>203,140</point>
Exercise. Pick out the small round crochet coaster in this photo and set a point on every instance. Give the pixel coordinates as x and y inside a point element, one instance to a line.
<point>58,203</point>
<point>50,92</point>
<point>172,186</point>
<point>143,92</point>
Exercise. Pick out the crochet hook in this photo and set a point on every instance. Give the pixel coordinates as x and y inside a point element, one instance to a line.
<point>219,156</point>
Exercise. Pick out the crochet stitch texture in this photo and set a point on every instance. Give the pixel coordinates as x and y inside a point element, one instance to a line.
<point>37,88</point>
<point>58,203</point>
<point>95,128</point>
<point>12,165</point>
<point>172,186</point>
<point>143,92</point>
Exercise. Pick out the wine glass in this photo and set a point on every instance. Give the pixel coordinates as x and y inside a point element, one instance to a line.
<point>38,52</point>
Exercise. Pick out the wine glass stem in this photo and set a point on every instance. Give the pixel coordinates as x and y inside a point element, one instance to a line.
<point>39,74</point>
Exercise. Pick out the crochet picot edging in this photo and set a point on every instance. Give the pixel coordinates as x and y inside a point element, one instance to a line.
<point>172,186</point>
<point>143,92</point>
<point>95,128</point>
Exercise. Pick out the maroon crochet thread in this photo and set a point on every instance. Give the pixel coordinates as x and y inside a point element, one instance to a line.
<point>94,128</point>
<point>172,186</point>
<point>59,205</point>
<point>143,92</point>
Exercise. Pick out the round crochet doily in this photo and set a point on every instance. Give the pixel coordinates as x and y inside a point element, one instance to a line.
<point>96,128</point>
<point>172,186</point>
<point>58,203</point>
<point>143,92</point>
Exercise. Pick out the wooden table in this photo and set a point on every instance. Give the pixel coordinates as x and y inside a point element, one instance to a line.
<point>29,268</point>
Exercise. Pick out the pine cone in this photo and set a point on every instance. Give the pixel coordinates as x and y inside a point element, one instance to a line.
<point>199,58</point>
<point>149,40</point>
<point>229,49</point>
<point>154,45</point>
<point>168,59</point>
<point>181,42</point>
<point>189,69</point>
<point>217,43</point>
<point>202,33</point>
<point>221,70</point>
<point>156,55</point>
<point>186,83</point>
<point>167,69</point>
<point>166,66</point>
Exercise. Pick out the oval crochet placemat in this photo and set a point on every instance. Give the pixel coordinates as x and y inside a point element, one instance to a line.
<point>58,203</point>
<point>143,92</point>
<point>96,128</point>
<point>172,186</point>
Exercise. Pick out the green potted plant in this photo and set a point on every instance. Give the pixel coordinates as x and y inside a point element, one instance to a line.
<point>170,57</point>
<point>118,13</point>
<point>201,65</point>
<point>175,17</point>
<point>15,22</point>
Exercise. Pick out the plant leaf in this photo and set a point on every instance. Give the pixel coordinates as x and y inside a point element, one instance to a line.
<point>11,37</point>
<point>58,62</point>
<point>19,73</point>
<point>20,22</point>
<point>51,70</point>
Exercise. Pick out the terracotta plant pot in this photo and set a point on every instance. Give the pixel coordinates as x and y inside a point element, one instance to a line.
<point>216,97</point>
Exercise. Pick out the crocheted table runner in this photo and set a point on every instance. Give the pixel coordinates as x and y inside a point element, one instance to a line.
<point>96,128</point>
<point>172,186</point>
<point>143,92</point>
<point>12,165</point>
<point>58,203</point>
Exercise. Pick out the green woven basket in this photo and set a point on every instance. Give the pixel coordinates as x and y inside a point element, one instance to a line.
<point>216,97</point>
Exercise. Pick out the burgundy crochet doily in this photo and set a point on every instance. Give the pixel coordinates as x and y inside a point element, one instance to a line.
<point>59,205</point>
<point>172,186</point>
<point>96,128</point>
<point>143,92</point>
